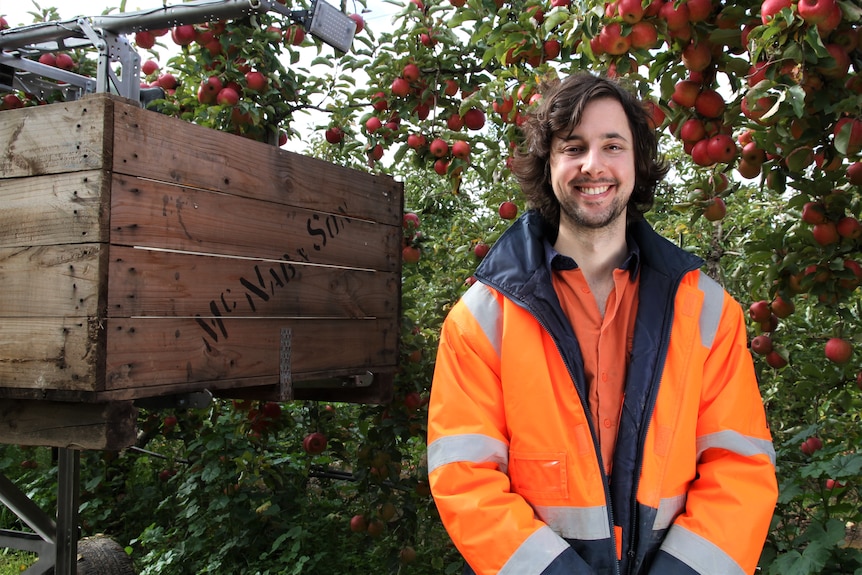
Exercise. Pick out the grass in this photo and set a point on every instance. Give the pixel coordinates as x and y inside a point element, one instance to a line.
<point>13,562</point>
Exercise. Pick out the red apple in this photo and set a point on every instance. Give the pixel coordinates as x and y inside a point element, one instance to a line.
<point>699,10</point>
<point>838,350</point>
<point>677,17</point>
<point>630,11</point>
<point>612,40</point>
<point>826,233</point>
<point>849,130</point>
<point>685,93</point>
<point>692,130</point>
<point>373,124</point>
<point>455,122</point>
<point>644,35</point>
<point>849,227</point>
<point>508,210</point>
<point>184,34</point>
<point>149,67</point>
<point>334,135</point>
<point>294,34</point>
<point>256,81</point>
<point>314,443</point>
<point>815,11</point>
<point>715,210</point>
<point>759,311</point>
<point>379,101</point>
<point>64,61</point>
<point>474,119</point>
<point>358,524</point>
<point>748,170</point>
<point>400,87</point>
<point>854,173</point>
<point>697,56</point>
<point>813,213</point>
<point>410,254</point>
<point>752,154</point>
<point>227,97</point>
<point>145,39</point>
<point>700,153</point>
<point>48,59</point>
<point>775,360</point>
<point>416,141</point>
<point>461,149</point>
<point>782,307</point>
<point>722,148</point>
<point>769,8</point>
<point>359,20</point>
<point>439,148</point>
<point>441,167</point>
<point>834,484</point>
<point>761,345</point>
<point>811,445</point>
<point>709,104</point>
<point>480,250</point>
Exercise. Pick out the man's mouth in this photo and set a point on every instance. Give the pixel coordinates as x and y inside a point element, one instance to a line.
<point>593,190</point>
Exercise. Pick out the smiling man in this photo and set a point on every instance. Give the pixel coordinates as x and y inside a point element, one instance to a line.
<point>594,408</point>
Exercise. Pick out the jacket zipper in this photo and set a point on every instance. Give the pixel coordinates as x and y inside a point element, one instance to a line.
<point>605,483</point>
<point>665,346</point>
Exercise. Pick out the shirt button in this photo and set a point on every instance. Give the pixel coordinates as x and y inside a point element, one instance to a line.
<point>607,422</point>
<point>604,376</point>
<point>585,289</point>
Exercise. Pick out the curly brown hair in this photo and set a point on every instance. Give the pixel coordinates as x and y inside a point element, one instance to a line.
<point>561,108</point>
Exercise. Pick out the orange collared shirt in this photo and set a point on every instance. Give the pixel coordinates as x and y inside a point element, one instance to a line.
<point>605,342</point>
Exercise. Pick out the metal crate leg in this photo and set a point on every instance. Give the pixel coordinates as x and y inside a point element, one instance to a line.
<point>68,480</point>
<point>56,544</point>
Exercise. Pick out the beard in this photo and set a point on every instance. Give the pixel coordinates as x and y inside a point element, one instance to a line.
<point>574,214</point>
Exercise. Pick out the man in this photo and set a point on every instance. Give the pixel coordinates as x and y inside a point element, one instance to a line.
<point>594,408</point>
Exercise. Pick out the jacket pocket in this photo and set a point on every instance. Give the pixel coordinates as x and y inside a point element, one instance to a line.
<point>537,474</point>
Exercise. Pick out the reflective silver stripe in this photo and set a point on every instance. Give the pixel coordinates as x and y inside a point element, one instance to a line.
<point>701,555</point>
<point>669,509</point>
<point>472,447</point>
<point>736,442</point>
<point>485,308</point>
<point>583,523</point>
<point>710,314</point>
<point>535,554</point>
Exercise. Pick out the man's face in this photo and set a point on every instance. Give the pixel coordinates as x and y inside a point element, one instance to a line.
<point>593,167</point>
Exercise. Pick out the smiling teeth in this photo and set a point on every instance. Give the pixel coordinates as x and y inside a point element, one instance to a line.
<point>594,191</point>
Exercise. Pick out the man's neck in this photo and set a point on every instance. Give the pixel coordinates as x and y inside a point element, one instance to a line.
<point>598,252</point>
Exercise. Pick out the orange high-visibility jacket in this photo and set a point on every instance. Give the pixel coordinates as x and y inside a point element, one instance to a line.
<point>514,463</point>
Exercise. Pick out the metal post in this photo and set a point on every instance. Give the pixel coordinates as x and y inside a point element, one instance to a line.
<point>69,476</point>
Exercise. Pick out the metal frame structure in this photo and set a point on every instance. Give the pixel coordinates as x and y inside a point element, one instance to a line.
<point>119,65</point>
<point>118,72</point>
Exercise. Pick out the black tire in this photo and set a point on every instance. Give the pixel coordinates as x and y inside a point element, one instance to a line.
<point>101,555</point>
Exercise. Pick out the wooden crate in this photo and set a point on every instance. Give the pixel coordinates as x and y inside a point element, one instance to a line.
<point>143,256</point>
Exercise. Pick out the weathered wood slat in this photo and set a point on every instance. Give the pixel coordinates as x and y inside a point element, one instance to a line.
<point>148,213</point>
<point>62,137</point>
<point>108,426</point>
<point>143,352</point>
<point>149,145</point>
<point>160,283</point>
<point>51,281</point>
<point>54,209</point>
<point>44,354</point>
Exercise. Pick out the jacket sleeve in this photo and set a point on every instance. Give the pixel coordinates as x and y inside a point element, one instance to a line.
<point>731,501</point>
<point>495,529</point>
